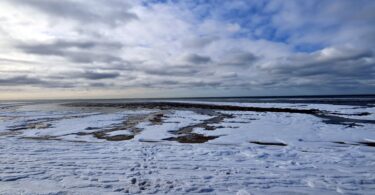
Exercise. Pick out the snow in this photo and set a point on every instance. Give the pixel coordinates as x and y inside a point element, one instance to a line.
<point>77,124</point>
<point>120,132</point>
<point>312,162</point>
<point>173,121</point>
<point>335,110</point>
<point>285,128</point>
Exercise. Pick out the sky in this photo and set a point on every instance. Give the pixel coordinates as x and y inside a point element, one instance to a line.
<point>170,48</point>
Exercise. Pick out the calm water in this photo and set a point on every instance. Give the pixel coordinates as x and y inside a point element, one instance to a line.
<point>359,100</point>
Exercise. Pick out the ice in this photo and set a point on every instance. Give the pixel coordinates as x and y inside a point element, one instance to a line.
<point>74,125</point>
<point>285,128</point>
<point>254,153</point>
<point>173,121</point>
<point>336,110</point>
<point>121,132</point>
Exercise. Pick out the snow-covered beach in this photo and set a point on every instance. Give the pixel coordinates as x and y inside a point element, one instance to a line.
<point>265,148</point>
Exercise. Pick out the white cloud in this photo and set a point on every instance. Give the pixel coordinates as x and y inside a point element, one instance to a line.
<point>170,45</point>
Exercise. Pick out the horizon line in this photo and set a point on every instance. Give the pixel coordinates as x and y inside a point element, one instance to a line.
<point>198,97</point>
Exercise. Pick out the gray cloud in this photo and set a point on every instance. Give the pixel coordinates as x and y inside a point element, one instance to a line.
<point>112,12</point>
<point>85,75</point>
<point>75,51</point>
<point>98,76</point>
<point>24,80</point>
<point>168,83</point>
<point>198,59</point>
<point>56,46</point>
<point>172,71</point>
<point>240,59</point>
<point>102,85</point>
<point>331,67</point>
<point>83,44</point>
<point>20,80</point>
<point>200,42</point>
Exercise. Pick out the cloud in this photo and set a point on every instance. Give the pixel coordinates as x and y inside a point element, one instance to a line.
<point>20,80</point>
<point>98,76</point>
<point>245,47</point>
<point>75,51</point>
<point>101,85</point>
<point>240,59</point>
<point>24,80</point>
<point>328,67</point>
<point>174,71</point>
<point>113,12</point>
<point>198,59</point>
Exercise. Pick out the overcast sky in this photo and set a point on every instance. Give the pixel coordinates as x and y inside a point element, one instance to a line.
<point>129,48</point>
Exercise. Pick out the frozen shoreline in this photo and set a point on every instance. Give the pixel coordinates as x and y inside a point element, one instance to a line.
<point>54,149</point>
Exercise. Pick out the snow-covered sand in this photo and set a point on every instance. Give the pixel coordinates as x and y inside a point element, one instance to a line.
<point>53,149</point>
